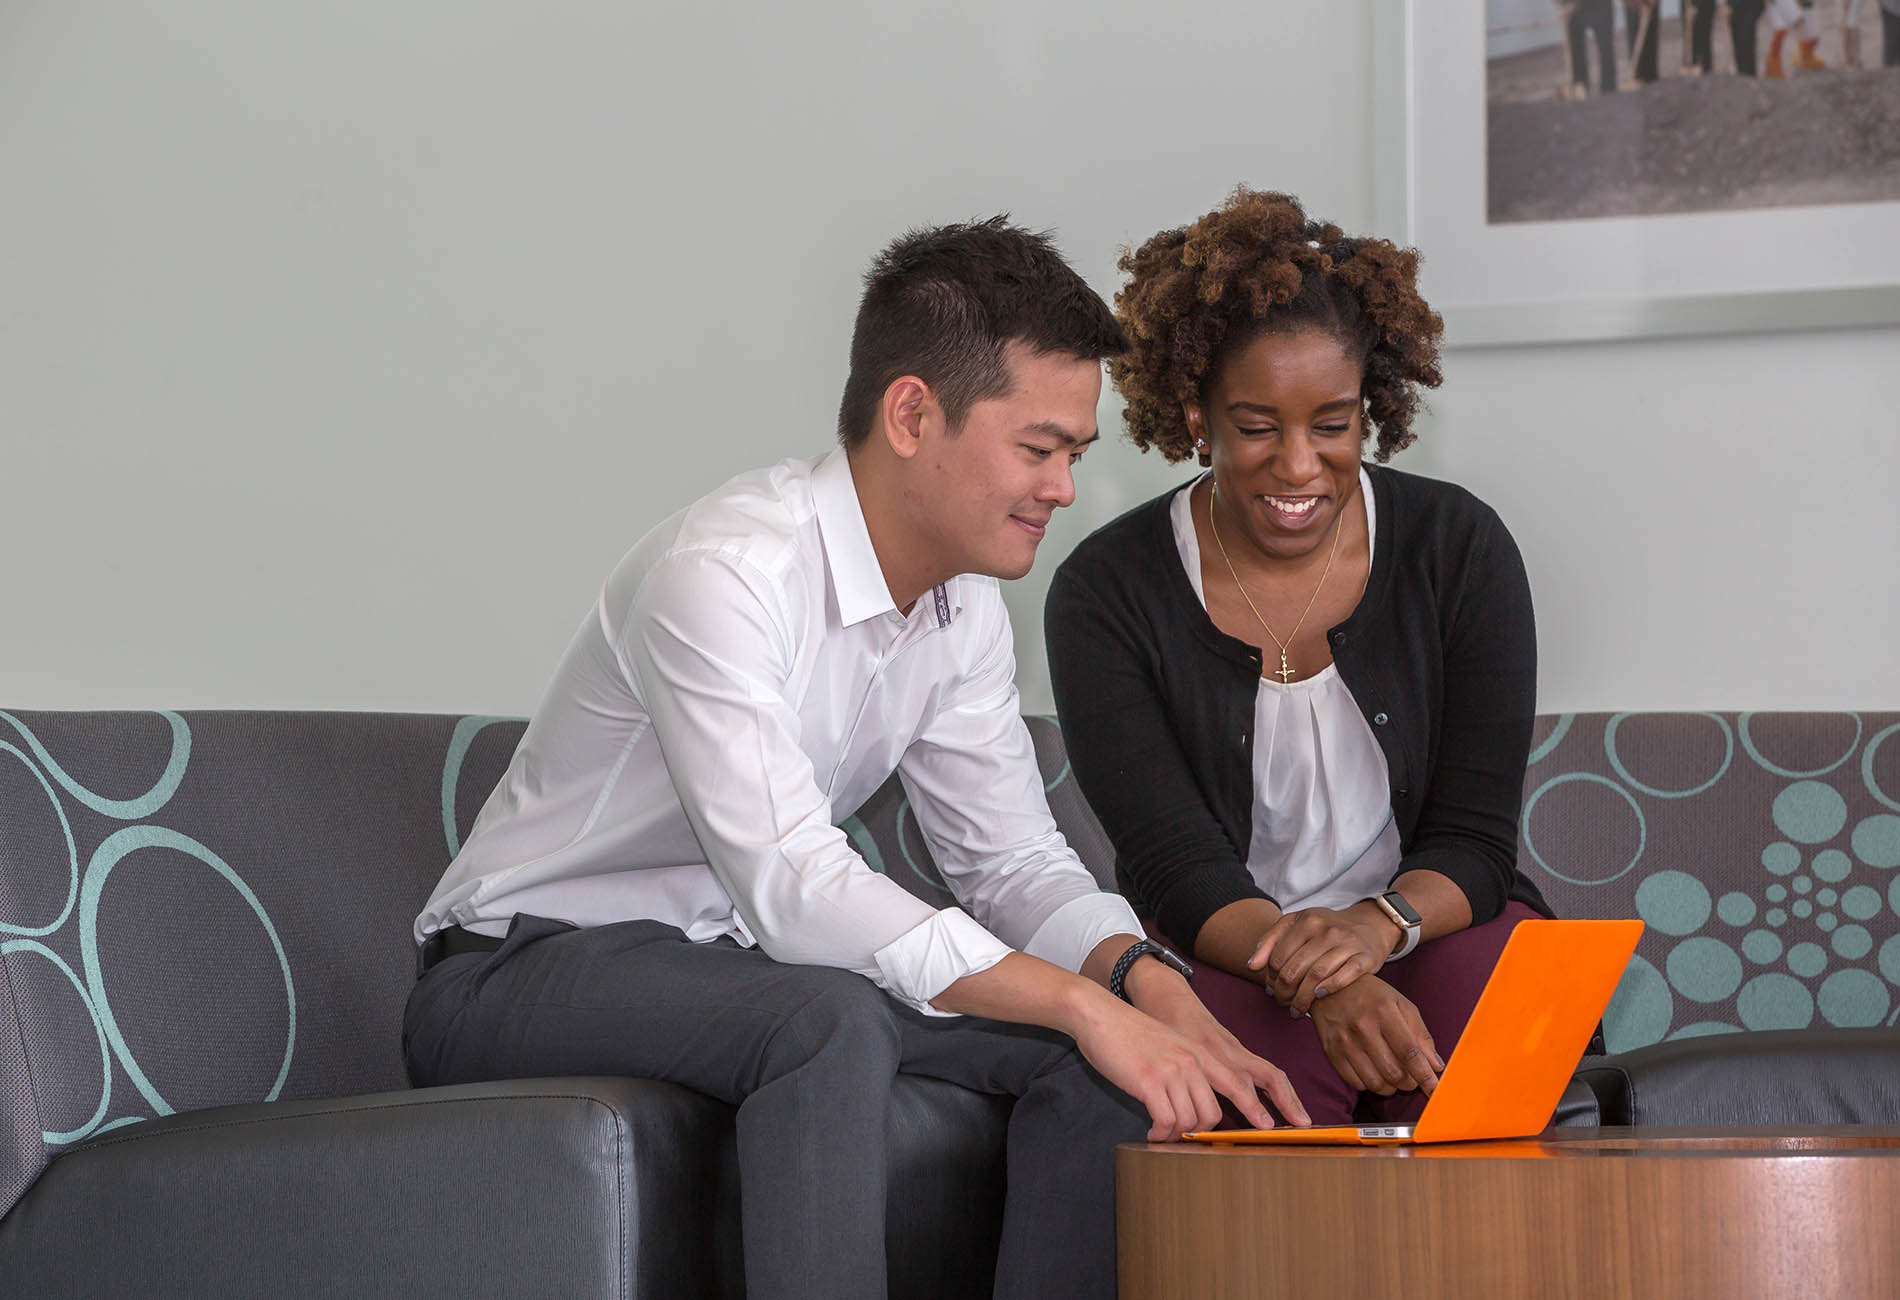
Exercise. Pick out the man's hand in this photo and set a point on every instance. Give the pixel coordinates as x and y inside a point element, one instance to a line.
<point>1173,1075</point>
<point>1163,994</point>
<point>1178,1077</point>
<point>1317,951</point>
<point>1374,1037</point>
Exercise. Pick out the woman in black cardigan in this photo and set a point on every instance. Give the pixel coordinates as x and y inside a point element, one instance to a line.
<point>1298,689</point>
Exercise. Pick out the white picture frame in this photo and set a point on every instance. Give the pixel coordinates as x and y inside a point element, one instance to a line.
<point>1810,267</point>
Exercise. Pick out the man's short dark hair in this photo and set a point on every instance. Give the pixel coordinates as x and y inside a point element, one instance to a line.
<point>943,303</point>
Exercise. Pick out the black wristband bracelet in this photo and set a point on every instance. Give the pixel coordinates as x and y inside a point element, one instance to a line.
<point>1118,978</point>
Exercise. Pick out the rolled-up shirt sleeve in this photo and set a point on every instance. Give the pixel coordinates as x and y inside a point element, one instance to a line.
<point>708,645</point>
<point>978,794</point>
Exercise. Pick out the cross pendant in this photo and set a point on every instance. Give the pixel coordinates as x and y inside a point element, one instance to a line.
<point>1284,673</point>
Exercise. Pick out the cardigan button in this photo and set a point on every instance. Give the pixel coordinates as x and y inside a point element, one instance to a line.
<point>1401,792</point>
<point>1379,719</point>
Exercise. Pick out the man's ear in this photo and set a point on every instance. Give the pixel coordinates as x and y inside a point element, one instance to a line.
<point>908,413</point>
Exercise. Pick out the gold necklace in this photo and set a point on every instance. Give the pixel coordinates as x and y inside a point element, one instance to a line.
<point>1283,672</point>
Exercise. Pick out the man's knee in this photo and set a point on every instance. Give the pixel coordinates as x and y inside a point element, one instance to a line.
<point>1078,1091</point>
<point>840,1012</point>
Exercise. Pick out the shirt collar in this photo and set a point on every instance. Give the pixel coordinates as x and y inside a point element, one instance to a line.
<point>855,573</point>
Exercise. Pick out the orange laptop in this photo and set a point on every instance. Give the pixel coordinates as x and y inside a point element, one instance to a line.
<point>1523,1042</point>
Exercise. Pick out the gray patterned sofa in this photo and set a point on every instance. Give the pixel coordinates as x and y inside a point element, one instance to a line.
<point>204,952</point>
<point>1763,852</point>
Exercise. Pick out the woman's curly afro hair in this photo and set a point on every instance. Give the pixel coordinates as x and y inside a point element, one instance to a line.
<point>1257,265</point>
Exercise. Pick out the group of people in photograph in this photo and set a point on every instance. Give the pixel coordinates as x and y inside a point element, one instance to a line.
<point>1793,28</point>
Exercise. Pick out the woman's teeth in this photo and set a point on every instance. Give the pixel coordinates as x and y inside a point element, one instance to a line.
<point>1293,505</point>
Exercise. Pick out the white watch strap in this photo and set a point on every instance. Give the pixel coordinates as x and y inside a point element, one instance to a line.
<point>1409,930</point>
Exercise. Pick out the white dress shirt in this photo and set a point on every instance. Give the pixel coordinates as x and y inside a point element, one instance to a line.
<point>1323,830</point>
<point>743,682</point>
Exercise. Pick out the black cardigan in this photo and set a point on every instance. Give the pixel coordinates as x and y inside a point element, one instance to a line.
<point>1156,703</point>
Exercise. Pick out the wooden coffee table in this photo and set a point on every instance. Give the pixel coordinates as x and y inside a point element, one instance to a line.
<point>1591,1213</point>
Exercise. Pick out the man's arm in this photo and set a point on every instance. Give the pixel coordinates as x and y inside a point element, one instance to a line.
<point>1174,1073</point>
<point>709,646</point>
<point>979,798</point>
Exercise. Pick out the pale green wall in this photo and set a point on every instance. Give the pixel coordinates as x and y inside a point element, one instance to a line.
<point>344,348</point>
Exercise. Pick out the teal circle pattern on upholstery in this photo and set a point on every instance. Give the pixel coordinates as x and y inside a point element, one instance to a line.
<point>72,856</point>
<point>1642,828</point>
<point>1891,801</point>
<point>76,924</point>
<point>1805,929</point>
<point>1775,1001</point>
<point>1640,1010</point>
<point>105,1052</point>
<point>1616,760</point>
<point>109,854</point>
<point>1736,908</point>
<point>124,810</point>
<point>466,729</point>
<point>1832,865</point>
<point>1810,812</point>
<point>1704,970</point>
<point>1782,858</point>
<point>1854,998</point>
<point>1853,942</point>
<point>1674,902</point>
<point>1748,745</point>
<point>1876,841</point>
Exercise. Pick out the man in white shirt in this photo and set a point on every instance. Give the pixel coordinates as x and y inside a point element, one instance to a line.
<point>658,886</point>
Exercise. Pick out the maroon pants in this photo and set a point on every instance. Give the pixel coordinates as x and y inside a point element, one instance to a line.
<point>1442,979</point>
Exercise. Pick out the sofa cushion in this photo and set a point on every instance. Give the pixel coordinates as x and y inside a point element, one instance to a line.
<point>1762,849</point>
<point>212,908</point>
<point>1775,1077</point>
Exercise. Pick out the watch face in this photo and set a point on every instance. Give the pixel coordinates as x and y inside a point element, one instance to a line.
<point>1407,913</point>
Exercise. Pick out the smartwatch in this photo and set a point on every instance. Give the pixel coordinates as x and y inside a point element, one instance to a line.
<point>1403,915</point>
<point>1118,978</point>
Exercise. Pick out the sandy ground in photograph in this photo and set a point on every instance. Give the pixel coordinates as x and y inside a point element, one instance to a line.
<point>1687,143</point>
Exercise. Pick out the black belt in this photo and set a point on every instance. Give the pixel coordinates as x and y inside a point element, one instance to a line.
<point>452,941</point>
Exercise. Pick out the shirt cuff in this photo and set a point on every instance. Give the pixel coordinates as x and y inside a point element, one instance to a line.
<point>1074,929</point>
<point>928,958</point>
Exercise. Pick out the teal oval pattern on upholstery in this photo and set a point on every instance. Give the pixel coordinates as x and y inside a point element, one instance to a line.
<point>1801,926</point>
<point>1616,760</point>
<point>116,848</point>
<point>1748,745</point>
<point>125,810</point>
<point>105,1053</point>
<point>466,729</point>
<point>1576,874</point>
<point>76,925</point>
<point>72,856</point>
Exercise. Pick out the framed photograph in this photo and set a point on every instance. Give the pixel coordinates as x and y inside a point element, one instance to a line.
<point>1604,169</point>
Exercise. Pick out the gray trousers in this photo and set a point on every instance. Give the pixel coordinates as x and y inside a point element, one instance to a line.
<point>807,1055</point>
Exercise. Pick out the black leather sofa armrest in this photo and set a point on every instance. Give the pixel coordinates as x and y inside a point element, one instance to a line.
<point>518,1188</point>
<point>1776,1077</point>
<point>1578,1108</point>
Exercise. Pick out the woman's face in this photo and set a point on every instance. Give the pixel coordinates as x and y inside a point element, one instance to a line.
<point>1284,423</point>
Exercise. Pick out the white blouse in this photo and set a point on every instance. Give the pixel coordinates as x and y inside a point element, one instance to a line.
<point>1323,830</point>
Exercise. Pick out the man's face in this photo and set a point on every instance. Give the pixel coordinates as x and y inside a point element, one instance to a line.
<point>988,489</point>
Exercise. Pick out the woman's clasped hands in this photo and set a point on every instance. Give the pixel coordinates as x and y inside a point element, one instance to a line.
<point>1319,961</point>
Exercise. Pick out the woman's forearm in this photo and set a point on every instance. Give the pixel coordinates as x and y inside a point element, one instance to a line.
<point>1230,936</point>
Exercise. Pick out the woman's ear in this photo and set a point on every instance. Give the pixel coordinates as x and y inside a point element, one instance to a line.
<point>1197,428</point>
